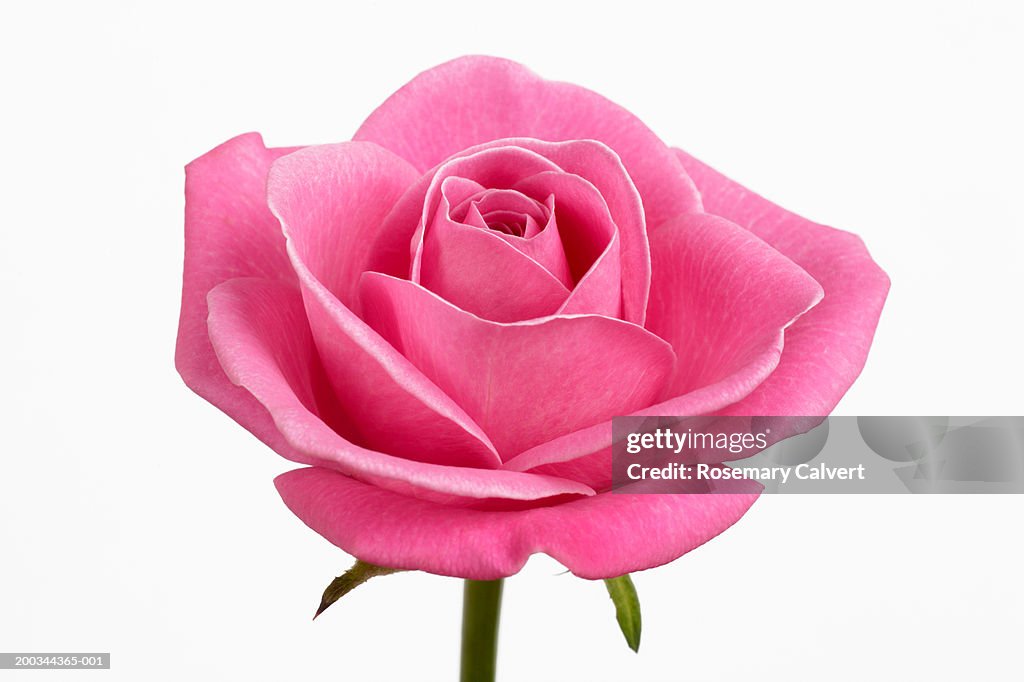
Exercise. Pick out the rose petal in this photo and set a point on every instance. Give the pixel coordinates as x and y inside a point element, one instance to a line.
<point>329,199</point>
<point>722,298</point>
<point>602,536</point>
<point>229,232</point>
<point>333,198</point>
<point>590,239</point>
<point>458,190</point>
<point>523,383</point>
<point>265,346</point>
<point>826,348</point>
<point>472,100</point>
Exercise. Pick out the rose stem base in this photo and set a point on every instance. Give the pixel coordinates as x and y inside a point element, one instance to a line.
<point>481,611</point>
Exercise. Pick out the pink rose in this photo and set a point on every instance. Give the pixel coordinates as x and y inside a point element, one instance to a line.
<point>442,316</point>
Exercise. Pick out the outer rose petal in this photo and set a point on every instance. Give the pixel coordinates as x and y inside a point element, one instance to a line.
<point>472,100</point>
<point>331,200</point>
<point>722,298</point>
<point>596,537</point>
<point>263,341</point>
<point>826,348</point>
<point>229,232</point>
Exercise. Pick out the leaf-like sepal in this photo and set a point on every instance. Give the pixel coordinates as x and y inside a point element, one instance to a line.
<point>350,580</point>
<point>627,608</point>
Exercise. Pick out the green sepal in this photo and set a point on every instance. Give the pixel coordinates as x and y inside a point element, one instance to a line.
<point>627,608</point>
<point>350,580</point>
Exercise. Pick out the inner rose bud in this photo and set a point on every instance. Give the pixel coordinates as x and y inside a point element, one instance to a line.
<point>503,210</point>
<point>508,234</point>
<point>525,224</point>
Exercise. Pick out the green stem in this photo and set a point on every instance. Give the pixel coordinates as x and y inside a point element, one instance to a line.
<point>481,610</point>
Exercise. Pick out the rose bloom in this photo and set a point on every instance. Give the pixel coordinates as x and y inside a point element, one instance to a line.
<point>441,317</point>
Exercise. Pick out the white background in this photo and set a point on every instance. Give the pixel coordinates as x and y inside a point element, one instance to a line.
<point>137,519</point>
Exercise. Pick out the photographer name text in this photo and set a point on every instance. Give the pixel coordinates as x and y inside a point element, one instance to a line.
<point>717,472</point>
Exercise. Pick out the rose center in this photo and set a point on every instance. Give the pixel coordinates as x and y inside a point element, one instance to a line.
<point>506,211</point>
